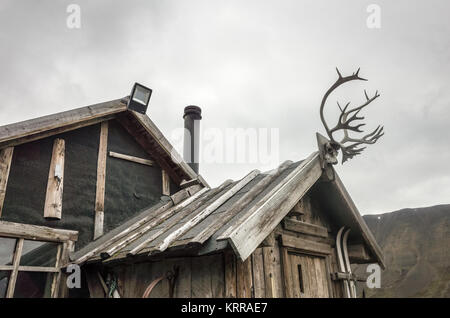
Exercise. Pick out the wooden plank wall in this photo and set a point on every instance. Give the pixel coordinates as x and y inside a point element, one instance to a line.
<point>259,276</point>
<point>218,275</point>
<point>201,276</point>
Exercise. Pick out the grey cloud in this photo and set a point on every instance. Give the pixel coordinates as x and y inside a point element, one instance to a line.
<point>250,64</point>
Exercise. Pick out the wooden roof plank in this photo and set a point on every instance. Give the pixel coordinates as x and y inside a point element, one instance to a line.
<point>158,219</point>
<point>191,211</point>
<point>206,211</point>
<point>226,216</point>
<point>268,213</point>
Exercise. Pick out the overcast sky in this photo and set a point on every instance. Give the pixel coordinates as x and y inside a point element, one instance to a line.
<point>261,64</point>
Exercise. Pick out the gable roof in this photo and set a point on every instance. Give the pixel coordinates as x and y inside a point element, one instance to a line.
<point>139,126</point>
<point>240,213</point>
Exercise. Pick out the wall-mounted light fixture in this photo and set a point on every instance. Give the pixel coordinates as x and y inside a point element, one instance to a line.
<point>139,98</point>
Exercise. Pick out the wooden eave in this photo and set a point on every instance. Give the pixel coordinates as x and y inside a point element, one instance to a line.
<point>366,234</point>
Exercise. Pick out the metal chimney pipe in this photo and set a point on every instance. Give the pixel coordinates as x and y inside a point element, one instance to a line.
<point>191,148</point>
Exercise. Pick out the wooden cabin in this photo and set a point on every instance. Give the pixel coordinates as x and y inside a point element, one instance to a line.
<point>101,187</point>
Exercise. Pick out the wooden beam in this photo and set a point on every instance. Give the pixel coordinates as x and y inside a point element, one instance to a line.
<point>305,228</point>
<point>57,277</point>
<point>5,165</point>
<point>63,290</point>
<point>263,217</point>
<point>358,254</point>
<point>15,271</point>
<point>36,232</point>
<point>188,183</point>
<point>30,268</point>
<point>55,183</point>
<point>131,158</point>
<point>101,177</point>
<point>165,183</point>
<point>305,245</point>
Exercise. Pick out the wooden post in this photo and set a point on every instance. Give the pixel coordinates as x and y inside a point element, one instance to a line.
<point>15,271</point>
<point>101,176</point>
<point>165,183</point>
<point>5,165</point>
<point>57,276</point>
<point>54,195</point>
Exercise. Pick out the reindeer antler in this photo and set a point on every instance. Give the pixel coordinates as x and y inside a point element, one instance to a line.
<point>346,118</point>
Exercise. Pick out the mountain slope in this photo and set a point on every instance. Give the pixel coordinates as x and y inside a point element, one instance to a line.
<point>416,247</point>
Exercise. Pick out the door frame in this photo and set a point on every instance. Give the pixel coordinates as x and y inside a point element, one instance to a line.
<point>293,245</point>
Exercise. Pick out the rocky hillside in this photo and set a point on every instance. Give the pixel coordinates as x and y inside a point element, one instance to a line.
<point>416,246</point>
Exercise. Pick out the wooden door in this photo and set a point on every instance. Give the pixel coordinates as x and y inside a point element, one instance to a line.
<point>309,276</point>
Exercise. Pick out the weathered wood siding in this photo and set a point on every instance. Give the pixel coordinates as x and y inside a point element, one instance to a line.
<point>201,276</point>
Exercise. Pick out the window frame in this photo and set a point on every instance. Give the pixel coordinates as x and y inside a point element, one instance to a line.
<point>21,232</point>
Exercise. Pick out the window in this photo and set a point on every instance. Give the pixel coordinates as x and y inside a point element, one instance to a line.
<point>300,279</point>
<point>28,268</point>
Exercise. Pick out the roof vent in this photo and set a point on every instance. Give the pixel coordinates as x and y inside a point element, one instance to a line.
<point>192,116</point>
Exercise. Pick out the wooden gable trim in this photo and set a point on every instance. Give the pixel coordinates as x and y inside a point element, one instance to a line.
<point>154,131</point>
<point>147,142</point>
<point>365,231</point>
<point>262,218</point>
<point>42,127</point>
